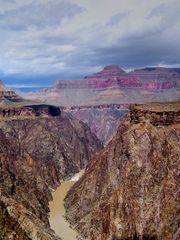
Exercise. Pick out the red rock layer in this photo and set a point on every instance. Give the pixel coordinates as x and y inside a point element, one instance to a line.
<point>114,86</point>
<point>111,87</point>
<point>150,79</point>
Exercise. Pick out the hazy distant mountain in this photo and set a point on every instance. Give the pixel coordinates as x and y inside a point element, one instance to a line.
<point>114,85</point>
<point>109,92</point>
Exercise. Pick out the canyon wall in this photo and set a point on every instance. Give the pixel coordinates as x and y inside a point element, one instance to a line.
<point>113,85</point>
<point>36,154</point>
<point>109,87</point>
<point>130,191</point>
<point>102,119</point>
<point>39,147</point>
<point>28,111</point>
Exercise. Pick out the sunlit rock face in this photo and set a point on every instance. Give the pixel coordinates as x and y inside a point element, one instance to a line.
<point>39,147</point>
<point>131,189</point>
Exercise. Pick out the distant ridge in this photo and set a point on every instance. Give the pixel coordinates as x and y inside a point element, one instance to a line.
<point>113,85</point>
<point>108,71</point>
<point>8,96</point>
<point>2,87</point>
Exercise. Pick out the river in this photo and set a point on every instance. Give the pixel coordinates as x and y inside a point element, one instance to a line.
<point>57,221</point>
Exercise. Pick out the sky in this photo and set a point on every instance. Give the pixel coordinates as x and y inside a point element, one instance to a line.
<point>46,40</point>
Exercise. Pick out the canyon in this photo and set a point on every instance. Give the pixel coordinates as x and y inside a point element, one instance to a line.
<point>37,152</point>
<point>130,190</point>
<point>90,120</point>
<point>57,210</point>
<point>103,98</point>
<point>102,119</point>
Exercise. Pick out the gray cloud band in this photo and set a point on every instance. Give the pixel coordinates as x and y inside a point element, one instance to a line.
<point>65,38</point>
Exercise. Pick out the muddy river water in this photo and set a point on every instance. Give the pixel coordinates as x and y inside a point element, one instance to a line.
<point>57,210</point>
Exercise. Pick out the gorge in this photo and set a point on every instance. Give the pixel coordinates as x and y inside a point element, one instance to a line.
<point>89,120</point>
<point>130,190</point>
<point>57,210</point>
<point>37,152</point>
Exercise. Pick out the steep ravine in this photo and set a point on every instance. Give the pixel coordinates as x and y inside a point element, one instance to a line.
<point>37,153</point>
<point>57,210</point>
<point>130,191</point>
<point>103,120</point>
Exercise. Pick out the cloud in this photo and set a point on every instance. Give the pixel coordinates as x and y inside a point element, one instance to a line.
<point>38,14</point>
<point>19,86</point>
<point>69,39</point>
<point>117,18</point>
<point>7,1</point>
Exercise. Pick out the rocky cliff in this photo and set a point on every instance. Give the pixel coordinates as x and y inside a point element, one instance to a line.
<point>39,147</point>
<point>7,94</point>
<point>102,119</point>
<point>109,87</point>
<point>131,189</point>
<point>28,111</point>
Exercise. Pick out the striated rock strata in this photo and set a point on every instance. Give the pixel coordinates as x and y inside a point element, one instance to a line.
<point>36,154</point>
<point>130,191</point>
<point>112,86</point>
<point>24,187</point>
<point>39,147</point>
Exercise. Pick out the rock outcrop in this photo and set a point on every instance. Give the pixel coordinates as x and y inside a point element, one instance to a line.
<point>131,189</point>
<point>39,147</point>
<point>7,94</point>
<point>29,111</point>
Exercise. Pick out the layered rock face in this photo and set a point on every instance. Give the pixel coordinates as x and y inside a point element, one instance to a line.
<point>131,189</point>
<point>158,79</point>
<point>112,86</point>
<point>39,147</point>
<point>150,79</point>
<point>26,180</point>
